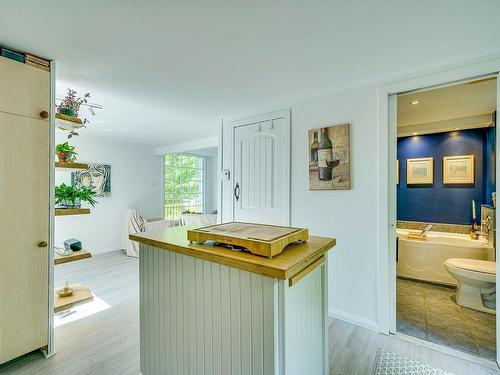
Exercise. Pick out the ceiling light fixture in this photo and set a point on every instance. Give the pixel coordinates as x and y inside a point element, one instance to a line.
<point>415,133</point>
<point>414,102</point>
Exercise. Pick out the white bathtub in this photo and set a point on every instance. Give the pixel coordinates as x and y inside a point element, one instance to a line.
<point>424,260</point>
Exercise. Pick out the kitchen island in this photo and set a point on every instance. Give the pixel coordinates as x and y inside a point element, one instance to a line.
<point>209,309</point>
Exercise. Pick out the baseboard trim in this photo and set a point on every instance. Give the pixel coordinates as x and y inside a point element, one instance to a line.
<point>354,319</point>
<point>102,251</point>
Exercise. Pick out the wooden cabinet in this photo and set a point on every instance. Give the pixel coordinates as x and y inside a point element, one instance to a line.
<point>24,209</point>
<point>25,90</point>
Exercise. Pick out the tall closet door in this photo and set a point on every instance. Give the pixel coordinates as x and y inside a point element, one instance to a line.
<point>24,89</point>
<point>24,216</point>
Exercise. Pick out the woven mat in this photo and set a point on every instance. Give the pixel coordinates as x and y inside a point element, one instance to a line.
<point>389,363</point>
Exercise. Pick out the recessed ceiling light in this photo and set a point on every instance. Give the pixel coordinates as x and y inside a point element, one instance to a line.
<point>457,128</point>
<point>414,102</point>
<point>415,133</point>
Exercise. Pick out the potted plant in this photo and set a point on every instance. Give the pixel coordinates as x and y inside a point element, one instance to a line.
<point>72,196</point>
<point>70,106</point>
<point>66,153</point>
<point>71,103</point>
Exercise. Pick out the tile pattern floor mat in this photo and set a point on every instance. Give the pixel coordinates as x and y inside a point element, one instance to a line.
<point>389,363</point>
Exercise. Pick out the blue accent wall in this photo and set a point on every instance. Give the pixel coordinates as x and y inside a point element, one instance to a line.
<point>489,165</point>
<point>439,203</point>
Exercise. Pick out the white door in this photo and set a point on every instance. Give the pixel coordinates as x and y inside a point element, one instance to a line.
<point>261,184</point>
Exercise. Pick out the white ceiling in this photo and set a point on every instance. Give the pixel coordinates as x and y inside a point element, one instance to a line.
<point>456,102</point>
<point>166,72</point>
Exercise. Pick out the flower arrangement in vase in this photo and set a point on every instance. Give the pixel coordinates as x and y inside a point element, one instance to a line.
<point>71,103</point>
<point>70,106</point>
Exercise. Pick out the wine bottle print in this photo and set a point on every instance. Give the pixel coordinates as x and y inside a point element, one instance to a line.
<point>314,148</point>
<point>325,156</point>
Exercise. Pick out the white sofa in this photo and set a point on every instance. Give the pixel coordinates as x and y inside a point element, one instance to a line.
<point>188,219</point>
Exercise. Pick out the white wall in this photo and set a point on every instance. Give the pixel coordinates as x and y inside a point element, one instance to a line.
<point>350,216</point>
<point>135,182</point>
<point>211,181</point>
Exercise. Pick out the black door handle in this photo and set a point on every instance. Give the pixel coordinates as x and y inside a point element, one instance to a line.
<point>237,192</point>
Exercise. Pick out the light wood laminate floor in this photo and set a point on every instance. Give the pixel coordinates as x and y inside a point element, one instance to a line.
<point>107,342</point>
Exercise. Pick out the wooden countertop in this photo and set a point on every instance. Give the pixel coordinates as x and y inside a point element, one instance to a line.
<point>293,259</point>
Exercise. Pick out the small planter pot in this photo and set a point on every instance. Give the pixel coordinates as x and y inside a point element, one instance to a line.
<point>69,204</point>
<point>67,111</point>
<point>65,157</point>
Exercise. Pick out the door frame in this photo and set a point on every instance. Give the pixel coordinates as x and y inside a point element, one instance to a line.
<point>386,224</point>
<point>226,159</point>
<point>50,351</point>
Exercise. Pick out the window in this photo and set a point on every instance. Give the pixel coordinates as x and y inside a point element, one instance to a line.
<point>184,176</point>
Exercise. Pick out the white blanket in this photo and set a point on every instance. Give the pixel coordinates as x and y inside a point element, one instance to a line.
<point>134,223</point>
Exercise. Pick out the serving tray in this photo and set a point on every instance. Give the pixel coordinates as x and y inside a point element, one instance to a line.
<point>259,239</point>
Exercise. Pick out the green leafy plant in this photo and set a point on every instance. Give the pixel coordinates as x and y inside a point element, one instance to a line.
<point>65,152</point>
<point>71,194</point>
<point>188,212</point>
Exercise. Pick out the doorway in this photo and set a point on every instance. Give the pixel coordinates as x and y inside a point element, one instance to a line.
<point>443,168</point>
<point>259,149</point>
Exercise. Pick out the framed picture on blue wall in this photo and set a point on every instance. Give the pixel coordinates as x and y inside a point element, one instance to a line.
<point>419,171</point>
<point>458,169</point>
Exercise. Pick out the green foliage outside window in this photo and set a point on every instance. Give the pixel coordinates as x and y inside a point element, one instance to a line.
<point>183,184</point>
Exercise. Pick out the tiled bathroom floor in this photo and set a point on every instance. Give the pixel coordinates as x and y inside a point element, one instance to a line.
<point>429,312</point>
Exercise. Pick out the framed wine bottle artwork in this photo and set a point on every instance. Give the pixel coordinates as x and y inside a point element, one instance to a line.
<point>329,158</point>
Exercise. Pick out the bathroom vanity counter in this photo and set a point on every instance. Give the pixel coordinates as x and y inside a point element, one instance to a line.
<point>209,308</point>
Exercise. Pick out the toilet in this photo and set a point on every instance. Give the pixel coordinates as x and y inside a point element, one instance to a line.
<point>476,281</point>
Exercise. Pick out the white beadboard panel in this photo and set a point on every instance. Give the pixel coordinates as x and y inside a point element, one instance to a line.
<point>199,317</point>
<point>305,324</point>
<point>257,154</point>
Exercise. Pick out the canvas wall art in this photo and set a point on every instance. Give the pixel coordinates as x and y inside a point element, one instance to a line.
<point>419,171</point>
<point>458,169</point>
<point>97,177</point>
<point>329,158</point>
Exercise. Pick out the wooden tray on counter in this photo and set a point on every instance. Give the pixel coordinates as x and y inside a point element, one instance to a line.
<point>259,239</point>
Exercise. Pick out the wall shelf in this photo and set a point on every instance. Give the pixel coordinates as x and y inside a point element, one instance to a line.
<point>67,122</point>
<point>72,211</point>
<point>77,255</point>
<point>62,164</point>
<point>81,294</point>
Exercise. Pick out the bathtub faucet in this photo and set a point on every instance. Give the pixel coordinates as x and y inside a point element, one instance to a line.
<point>426,230</point>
